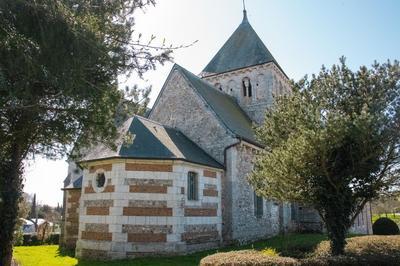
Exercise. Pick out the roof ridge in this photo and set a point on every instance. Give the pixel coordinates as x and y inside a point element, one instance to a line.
<point>157,123</point>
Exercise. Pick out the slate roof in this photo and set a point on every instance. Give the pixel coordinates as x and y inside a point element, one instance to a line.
<point>243,49</point>
<point>152,140</point>
<point>75,184</point>
<point>225,106</point>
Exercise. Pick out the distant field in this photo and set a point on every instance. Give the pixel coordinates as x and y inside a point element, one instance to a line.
<point>394,217</point>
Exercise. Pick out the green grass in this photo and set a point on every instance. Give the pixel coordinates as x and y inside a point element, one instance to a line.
<point>395,218</point>
<point>291,245</point>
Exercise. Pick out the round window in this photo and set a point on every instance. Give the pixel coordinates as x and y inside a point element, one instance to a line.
<point>100,180</point>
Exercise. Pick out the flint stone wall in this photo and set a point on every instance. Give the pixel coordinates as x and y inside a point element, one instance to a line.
<point>179,106</point>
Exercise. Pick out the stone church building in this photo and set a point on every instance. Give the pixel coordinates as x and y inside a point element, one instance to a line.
<point>178,184</point>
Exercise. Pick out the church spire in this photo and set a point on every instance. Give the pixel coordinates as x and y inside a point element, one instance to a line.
<point>244,11</point>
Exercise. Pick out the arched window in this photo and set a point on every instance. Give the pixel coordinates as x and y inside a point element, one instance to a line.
<point>192,186</point>
<point>258,205</point>
<point>246,85</point>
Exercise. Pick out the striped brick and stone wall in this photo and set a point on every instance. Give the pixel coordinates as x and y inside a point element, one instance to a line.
<point>71,218</point>
<point>143,210</point>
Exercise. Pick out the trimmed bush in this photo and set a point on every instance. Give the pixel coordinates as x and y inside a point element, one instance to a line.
<point>363,250</point>
<point>245,258</point>
<point>360,251</point>
<point>385,226</point>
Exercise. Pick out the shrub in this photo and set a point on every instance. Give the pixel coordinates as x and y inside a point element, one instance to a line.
<point>385,226</point>
<point>360,251</point>
<point>364,250</point>
<point>270,252</point>
<point>53,239</point>
<point>31,240</point>
<point>18,237</point>
<point>246,258</point>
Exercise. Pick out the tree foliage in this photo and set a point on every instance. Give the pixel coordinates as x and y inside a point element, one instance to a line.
<point>60,62</point>
<point>333,143</point>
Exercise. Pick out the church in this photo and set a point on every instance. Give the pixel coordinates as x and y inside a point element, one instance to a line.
<point>178,183</point>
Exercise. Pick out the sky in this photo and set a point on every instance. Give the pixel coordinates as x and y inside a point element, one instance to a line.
<point>302,35</point>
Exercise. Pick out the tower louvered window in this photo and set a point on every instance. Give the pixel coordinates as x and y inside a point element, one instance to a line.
<point>192,186</point>
<point>246,86</point>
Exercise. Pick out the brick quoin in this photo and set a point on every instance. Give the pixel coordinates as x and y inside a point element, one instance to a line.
<point>146,211</point>
<point>146,237</point>
<point>148,167</point>
<point>199,237</point>
<point>208,173</point>
<point>210,192</point>
<point>89,190</point>
<point>105,167</point>
<point>74,196</point>
<point>97,210</point>
<point>74,219</point>
<point>108,188</point>
<point>200,212</point>
<point>98,236</point>
<point>148,189</point>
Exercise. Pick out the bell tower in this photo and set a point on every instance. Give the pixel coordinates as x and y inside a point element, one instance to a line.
<point>245,69</point>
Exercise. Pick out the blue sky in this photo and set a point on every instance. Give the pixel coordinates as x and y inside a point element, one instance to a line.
<point>302,35</point>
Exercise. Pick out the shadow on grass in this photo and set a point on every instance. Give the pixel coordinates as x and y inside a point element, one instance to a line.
<point>293,245</point>
<point>64,252</point>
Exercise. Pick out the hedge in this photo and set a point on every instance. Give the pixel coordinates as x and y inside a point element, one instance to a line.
<point>360,251</point>
<point>245,258</point>
<point>385,226</point>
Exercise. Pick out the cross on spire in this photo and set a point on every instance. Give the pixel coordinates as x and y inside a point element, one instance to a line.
<point>244,11</point>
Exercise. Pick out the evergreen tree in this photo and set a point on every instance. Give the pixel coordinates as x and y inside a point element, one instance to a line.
<point>333,144</point>
<point>33,212</point>
<point>60,60</point>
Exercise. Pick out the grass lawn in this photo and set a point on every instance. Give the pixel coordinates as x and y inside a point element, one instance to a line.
<point>293,245</point>
<point>395,218</point>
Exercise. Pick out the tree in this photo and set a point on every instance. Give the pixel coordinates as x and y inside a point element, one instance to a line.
<point>33,211</point>
<point>24,206</point>
<point>333,143</point>
<point>60,60</point>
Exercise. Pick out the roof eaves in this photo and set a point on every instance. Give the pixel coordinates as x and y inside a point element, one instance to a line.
<point>220,166</point>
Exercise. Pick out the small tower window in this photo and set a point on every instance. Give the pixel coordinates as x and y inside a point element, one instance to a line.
<point>246,85</point>
<point>192,186</point>
<point>258,205</point>
<point>218,86</point>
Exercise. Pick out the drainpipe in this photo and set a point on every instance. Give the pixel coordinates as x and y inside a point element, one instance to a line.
<point>227,216</point>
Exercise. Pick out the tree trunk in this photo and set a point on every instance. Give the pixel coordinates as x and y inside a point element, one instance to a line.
<point>337,213</point>
<point>10,192</point>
